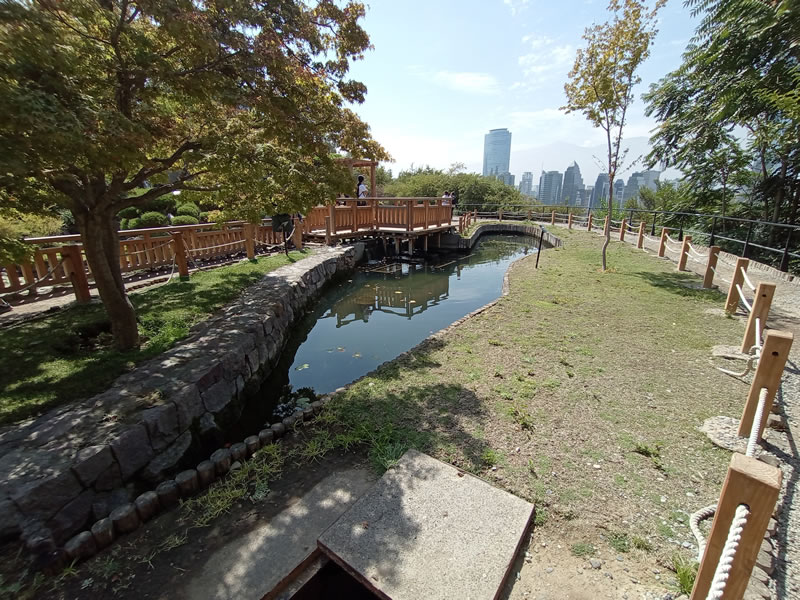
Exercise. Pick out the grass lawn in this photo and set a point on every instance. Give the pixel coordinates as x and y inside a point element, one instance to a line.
<point>68,356</point>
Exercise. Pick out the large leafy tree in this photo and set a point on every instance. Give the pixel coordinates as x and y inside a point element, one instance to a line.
<point>107,104</point>
<point>601,82</point>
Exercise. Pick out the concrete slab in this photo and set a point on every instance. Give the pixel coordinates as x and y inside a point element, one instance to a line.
<point>251,566</point>
<point>428,530</point>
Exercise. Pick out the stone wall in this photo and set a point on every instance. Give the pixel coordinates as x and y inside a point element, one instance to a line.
<point>532,230</point>
<point>77,463</point>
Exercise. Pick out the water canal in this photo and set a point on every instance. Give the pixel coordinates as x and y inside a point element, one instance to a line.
<point>382,310</point>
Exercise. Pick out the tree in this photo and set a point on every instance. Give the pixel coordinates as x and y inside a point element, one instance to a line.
<point>602,79</point>
<point>240,100</point>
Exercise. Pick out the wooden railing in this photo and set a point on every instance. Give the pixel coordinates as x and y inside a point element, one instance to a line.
<point>374,214</point>
<point>61,259</point>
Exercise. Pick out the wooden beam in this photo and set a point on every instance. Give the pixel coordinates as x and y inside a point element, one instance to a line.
<point>732,301</point>
<point>711,267</point>
<point>765,292</point>
<point>640,239</point>
<point>687,239</point>
<point>662,245</point>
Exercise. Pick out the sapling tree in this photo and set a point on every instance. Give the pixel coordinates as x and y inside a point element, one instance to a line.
<point>601,82</point>
<point>109,104</point>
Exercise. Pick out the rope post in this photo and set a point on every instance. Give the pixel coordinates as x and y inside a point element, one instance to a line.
<point>711,267</point>
<point>589,224</point>
<point>765,292</point>
<point>662,245</point>
<point>529,215</point>
<point>756,485</point>
<point>332,216</point>
<point>499,214</point>
<point>738,279</point>
<point>77,275</point>
<point>374,204</point>
<point>553,218</point>
<point>622,230</point>
<point>328,236</point>
<point>569,221</point>
<point>409,213</point>
<point>179,248</point>
<point>768,375</point>
<point>249,241</point>
<point>687,240</point>
<point>297,235</point>
<point>640,239</point>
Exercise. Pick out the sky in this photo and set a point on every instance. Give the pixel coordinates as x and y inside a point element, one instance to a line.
<point>445,72</point>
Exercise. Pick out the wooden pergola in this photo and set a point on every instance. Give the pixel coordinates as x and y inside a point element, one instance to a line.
<point>355,163</point>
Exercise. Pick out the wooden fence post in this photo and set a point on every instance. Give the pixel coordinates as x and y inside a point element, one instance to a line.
<point>732,302</point>
<point>499,214</point>
<point>409,213</point>
<point>249,241</point>
<point>765,292</point>
<point>328,235</point>
<point>622,227</point>
<point>589,224</point>
<point>769,371</point>
<point>640,238</point>
<point>374,204</point>
<point>74,267</point>
<point>756,484</point>
<point>569,221</point>
<point>553,218</point>
<point>179,248</point>
<point>332,215</point>
<point>711,267</point>
<point>687,239</point>
<point>529,214</point>
<point>662,245</point>
<point>297,235</point>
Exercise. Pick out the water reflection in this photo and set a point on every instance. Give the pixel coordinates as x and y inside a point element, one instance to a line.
<point>384,310</point>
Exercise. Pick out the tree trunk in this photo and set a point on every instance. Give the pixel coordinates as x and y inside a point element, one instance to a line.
<point>101,245</point>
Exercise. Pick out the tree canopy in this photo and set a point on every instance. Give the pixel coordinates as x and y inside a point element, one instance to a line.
<point>108,104</point>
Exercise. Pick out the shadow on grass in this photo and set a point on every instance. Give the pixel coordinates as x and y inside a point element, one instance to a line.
<point>682,284</point>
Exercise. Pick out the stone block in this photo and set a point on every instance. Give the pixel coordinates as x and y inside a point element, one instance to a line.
<point>316,406</point>
<point>206,473</point>
<point>109,479</point>
<point>132,450</point>
<point>252,443</point>
<point>91,462</point>
<point>189,406</point>
<point>776,422</point>
<point>10,518</point>
<point>103,532</point>
<point>265,437</point>
<point>44,498</point>
<point>278,430</point>
<point>81,547</point>
<point>147,505</point>
<point>766,562</point>
<point>222,461</point>
<point>308,414</point>
<point>219,395</point>
<point>212,374</point>
<point>289,422</point>
<point>167,462</point>
<point>161,423</point>
<point>298,415</point>
<point>72,517</point>
<point>187,482</point>
<point>168,493</point>
<point>125,518</point>
<point>37,538</point>
<point>238,451</point>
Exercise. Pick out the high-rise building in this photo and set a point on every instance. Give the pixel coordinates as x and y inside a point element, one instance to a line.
<point>550,187</point>
<point>572,183</point>
<point>619,192</point>
<point>535,190</point>
<point>599,191</point>
<point>651,178</point>
<point>526,184</point>
<point>635,183</point>
<point>507,178</point>
<point>496,152</point>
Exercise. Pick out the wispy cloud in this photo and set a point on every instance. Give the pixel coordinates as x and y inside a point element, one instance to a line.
<point>469,82</point>
<point>544,59</point>
<point>516,6</point>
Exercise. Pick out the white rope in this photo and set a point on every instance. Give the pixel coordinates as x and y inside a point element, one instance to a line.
<point>203,249</point>
<point>699,254</point>
<point>758,334</point>
<point>694,524</point>
<point>752,360</point>
<point>667,246</point>
<point>756,426</point>
<point>39,280</point>
<point>146,249</point>
<point>747,279</point>
<point>674,241</point>
<point>747,305</point>
<point>725,563</point>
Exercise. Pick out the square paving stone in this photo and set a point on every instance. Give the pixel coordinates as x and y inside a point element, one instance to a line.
<point>429,530</point>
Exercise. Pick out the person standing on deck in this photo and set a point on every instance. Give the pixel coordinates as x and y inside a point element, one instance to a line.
<point>361,191</point>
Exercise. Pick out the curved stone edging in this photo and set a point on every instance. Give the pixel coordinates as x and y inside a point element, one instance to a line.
<point>75,464</point>
<point>531,230</point>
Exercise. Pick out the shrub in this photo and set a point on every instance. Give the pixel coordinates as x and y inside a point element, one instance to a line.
<point>123,223</point>
<point>190,209</point>
<point>135,223</point>
<point>204,217</point>
<point>185,220</point>
<point>128,213</point>
<point>153,219</point>
<point>163,204</point>
<point>214,216</point>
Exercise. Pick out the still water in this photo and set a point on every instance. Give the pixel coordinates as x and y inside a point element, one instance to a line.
<point>383,310</point>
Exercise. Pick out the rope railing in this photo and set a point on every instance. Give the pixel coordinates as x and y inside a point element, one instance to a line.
<point>725,563</point>
<point>146,250</point>
<point>694,525</point>
<point>752,440</point>
<point>206,248</point>
<point>38,280</point>
<point>747,305</point>
<point>747,280</point>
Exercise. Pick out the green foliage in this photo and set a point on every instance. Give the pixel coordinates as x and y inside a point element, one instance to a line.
<point>686,572</point>
<point>185,220</point>
<point>582,549</point>
<point>204,217</point>
<point>153,219</point>
<point>189,209</point>
<point>123,224</point>
<point>129,213</point>
<point>619,541</point>
<point>16,225</point>
<point>135,223</point>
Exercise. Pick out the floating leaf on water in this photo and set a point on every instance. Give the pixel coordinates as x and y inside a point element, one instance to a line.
<point>340,348</point>
<point>357,355</point>
<point>398,292</point>
<point>301,367</point>
<point>412,301</point>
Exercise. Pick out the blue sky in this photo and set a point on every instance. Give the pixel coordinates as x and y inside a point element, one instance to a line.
<point>444,72</point>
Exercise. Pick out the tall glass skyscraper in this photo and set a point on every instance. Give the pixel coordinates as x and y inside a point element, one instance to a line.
<point>496,152</point>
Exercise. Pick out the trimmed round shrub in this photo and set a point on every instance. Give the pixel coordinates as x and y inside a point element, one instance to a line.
<point>135,223</point>
<point>129,213</point>
<point>123,223</point>
<point>189,209</point>
<point>204,216</point>
<point>185,220</point>
<point>153,219</point>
